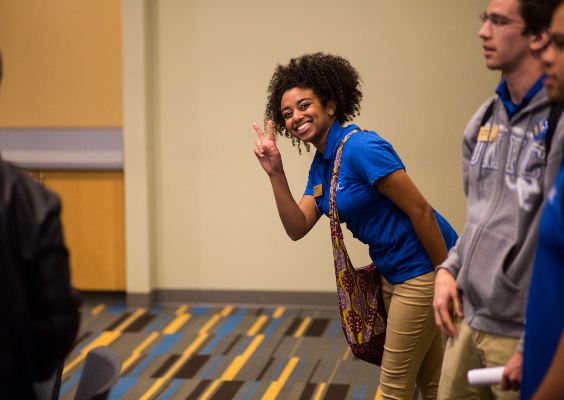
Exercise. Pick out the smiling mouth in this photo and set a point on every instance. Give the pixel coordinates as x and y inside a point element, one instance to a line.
<point>303,127</point>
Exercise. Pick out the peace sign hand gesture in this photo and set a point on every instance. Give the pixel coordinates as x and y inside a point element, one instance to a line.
<point>266,151</point>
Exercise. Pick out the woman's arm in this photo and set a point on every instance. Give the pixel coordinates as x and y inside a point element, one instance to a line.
<point>552,385</point>
<point>401,190</point>
<point>297,218</point>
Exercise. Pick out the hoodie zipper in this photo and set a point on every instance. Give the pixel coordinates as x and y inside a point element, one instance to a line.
<point>499,187</point>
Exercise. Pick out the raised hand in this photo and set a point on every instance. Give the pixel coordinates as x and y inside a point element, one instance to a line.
<point>266,151</point>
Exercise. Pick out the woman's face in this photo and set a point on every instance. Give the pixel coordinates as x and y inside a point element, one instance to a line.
<point>306,118</point>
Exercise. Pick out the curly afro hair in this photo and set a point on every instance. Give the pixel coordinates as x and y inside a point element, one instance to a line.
<point>330,77</point>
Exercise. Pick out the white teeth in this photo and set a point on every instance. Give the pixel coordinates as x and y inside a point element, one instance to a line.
<point>302,127</point>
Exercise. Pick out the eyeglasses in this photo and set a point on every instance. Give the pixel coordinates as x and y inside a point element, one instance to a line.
<point>498,20</point>
<point>557,42</point>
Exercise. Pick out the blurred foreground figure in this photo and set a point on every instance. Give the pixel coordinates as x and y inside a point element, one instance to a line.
<point>543,360</point>
<point>39,311</point>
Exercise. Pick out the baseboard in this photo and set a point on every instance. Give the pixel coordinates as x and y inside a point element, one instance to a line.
<point>96,297</point>
<point>146,300</point>
<point>233,297</point>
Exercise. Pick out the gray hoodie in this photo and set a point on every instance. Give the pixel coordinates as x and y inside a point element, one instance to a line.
<point>505,179</point>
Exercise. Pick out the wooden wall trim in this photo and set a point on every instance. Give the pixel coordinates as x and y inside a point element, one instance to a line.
<point>63,149</point>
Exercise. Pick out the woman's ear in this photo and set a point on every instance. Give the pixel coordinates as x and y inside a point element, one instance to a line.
<point>540,40</point>
<point>331,108</point>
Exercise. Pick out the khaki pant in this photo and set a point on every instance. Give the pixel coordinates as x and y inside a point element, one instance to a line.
<point>471,349</point>
<point>413,351</point>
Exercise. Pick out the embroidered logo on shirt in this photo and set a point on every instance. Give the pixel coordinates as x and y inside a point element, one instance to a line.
<point>540,128</point>
<point>339,186</point>
<point>524,164</point>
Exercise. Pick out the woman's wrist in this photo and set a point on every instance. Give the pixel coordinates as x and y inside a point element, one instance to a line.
<point>277,176</point>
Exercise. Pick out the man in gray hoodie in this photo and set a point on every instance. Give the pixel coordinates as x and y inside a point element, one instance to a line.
<point>509,164</point>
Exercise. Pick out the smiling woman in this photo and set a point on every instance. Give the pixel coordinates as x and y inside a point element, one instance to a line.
<point>310,100</point>
<point>306,119</point>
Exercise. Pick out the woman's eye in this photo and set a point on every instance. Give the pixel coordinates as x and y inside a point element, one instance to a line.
<point>286,115</point>
<point>303,106</point>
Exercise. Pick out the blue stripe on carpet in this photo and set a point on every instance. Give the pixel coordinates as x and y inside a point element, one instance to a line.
<point>69,384</point>
<point>200,311</point>
<point>121,388</point>
<point>78,349</point>
<point>172,389</point>
<point>142,365</point>
<point>273,326</point>
<point>158,323</point>
<point>117,309</point>
<point>166,343</point>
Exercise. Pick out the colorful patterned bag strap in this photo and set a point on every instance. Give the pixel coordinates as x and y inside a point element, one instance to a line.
<point>333,213</point>
<point>362,311</point>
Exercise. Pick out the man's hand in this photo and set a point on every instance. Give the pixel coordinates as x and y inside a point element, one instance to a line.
<point>445,300</point>
<point>511,378</point>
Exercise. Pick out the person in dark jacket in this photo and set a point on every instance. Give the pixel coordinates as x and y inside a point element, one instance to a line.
<point>39,310</point>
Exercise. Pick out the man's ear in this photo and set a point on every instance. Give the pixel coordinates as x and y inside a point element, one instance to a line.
<point>540,40</point>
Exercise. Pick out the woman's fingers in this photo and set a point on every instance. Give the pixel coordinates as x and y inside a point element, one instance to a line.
<point>261,135</point>
<point>266,146</point>
<point>259,132</point>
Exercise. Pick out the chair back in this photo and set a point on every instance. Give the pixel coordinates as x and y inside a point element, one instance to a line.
<point>100,372</point>
<point>50,387</point>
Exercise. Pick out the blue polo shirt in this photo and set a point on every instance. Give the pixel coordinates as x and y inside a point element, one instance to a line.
<point>503,92</point>
<point>372,218</point>
<point>545,319</point>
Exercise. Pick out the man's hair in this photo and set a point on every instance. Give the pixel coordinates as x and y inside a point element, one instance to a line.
<point>537,14</point>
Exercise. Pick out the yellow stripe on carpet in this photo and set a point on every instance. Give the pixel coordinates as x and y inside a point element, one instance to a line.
<point>202,335</point>
<point>378,394</point>
<point>130,320</point>
<point>319,391</point>
<point>103,340</point>
<point>176,324</point>
<point>277,385</point>
<point>240,360</point>
<point>302,327</point>
<point>137,352</point>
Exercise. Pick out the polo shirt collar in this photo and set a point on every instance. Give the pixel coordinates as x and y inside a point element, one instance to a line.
<point>334,136</point>
<point>503,92</point>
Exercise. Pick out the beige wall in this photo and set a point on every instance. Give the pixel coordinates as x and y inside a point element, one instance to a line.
<point>62,64</point>
<point>199,209</point>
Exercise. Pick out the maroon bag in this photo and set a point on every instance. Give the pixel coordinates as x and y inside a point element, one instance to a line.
<point>363,316</point>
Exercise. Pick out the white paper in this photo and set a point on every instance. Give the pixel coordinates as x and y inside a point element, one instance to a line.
<point>485,376</point>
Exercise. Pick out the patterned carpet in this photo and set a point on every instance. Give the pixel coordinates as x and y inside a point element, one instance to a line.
<point>223,353</point>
